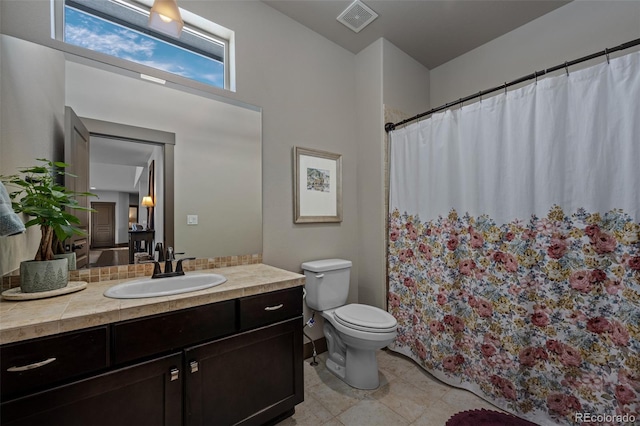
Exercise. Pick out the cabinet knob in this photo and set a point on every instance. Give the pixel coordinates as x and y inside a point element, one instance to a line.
<point>194,366</point>
<point>175,374</point>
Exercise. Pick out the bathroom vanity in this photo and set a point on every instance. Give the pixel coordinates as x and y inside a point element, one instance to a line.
<point>231,354</point>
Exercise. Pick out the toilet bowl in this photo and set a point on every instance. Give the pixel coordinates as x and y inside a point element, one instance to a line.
<point>352,345</point>
<point>354,332</point>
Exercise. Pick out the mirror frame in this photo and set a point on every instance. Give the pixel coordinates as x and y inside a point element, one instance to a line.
<point>136,134</point>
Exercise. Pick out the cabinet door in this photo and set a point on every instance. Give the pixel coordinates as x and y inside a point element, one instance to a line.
<point>249,378</point>
<point>143,394</point>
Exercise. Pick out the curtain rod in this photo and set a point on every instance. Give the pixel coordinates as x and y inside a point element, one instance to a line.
<point>388,127</point>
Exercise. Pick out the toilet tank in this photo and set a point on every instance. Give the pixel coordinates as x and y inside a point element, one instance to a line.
<point>327,283</point>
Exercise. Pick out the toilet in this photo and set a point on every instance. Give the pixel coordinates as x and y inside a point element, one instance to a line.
<point>353,331</point>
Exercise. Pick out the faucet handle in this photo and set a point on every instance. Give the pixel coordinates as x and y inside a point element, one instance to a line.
<point>156,270</point>
<point>179,265</point>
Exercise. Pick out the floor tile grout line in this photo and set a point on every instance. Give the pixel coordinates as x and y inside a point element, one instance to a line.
<point>395,365</point>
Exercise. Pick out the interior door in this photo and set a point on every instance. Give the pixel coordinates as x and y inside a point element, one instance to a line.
<point>76,154</point>
<point>103,227</point>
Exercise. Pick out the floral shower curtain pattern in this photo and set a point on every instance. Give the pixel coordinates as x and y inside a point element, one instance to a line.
<point>514,245</point>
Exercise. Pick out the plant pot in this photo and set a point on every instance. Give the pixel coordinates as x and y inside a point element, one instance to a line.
<point>37,276</point>
<point>71,257</point>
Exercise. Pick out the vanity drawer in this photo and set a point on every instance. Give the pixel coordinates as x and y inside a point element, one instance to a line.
<point>268,308</point>
<point>139,338</point>
<point>37,364</point>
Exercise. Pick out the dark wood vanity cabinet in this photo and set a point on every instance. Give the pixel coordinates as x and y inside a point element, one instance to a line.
<point>41,363</point>
<point>249,378</point>
<point>149,336</point>
<point>231,362</point>
<point>149,393</point>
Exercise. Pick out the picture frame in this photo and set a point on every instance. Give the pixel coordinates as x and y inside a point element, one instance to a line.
<point>317,180</point>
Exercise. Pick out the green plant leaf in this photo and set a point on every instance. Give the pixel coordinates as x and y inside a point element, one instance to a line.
<point>41,197</point>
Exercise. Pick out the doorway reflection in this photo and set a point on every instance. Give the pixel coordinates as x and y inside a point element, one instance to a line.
<point>122,175</point>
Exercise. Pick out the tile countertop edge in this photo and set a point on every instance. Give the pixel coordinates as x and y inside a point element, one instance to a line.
<point>90,308</point>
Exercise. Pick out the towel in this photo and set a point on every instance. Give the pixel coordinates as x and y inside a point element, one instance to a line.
<point>10,223</point>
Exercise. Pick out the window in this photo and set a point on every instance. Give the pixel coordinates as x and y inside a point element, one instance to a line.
<point>119,28</point>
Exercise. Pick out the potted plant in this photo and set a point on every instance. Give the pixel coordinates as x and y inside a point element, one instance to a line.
<point>39,195</point>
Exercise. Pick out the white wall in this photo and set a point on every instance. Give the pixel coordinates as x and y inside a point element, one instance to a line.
<point>386,76</point>
<point>305,86</point>
<point>406,81</point>
<point>312,92</point>
<point>122,217</point>
<point>369,113</point>
<point>577,29</point>
<point>118,175</point>
<point>121,200</point>
<point>29,81</point>
<point>317,95</point>
<point>217,155</point>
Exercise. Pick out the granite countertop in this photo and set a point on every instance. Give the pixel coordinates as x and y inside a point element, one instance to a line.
<point>22,320</point>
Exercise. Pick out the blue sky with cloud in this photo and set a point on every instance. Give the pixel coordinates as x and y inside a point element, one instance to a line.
<point>93,33</point>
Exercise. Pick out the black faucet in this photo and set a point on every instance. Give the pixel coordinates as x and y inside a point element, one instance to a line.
<point>168,263</point>
<point>168,266</point>
<point>179,270</point>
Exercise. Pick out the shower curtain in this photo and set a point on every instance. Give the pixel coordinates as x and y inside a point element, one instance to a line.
<point>514,246</point>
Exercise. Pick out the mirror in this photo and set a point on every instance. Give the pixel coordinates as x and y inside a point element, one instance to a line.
<point>217,163</point>
<point>127,170</point>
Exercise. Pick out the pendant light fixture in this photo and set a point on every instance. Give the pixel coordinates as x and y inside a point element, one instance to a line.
<point>165,18</point>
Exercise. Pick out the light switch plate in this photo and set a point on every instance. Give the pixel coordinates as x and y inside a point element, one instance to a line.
<point>192,219</point>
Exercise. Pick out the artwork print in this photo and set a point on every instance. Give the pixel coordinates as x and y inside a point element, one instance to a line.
<point>317,186</point>
<point>318,180</point>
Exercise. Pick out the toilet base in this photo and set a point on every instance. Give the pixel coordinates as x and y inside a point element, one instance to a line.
<point>335,368</point>
<point>360,371</point>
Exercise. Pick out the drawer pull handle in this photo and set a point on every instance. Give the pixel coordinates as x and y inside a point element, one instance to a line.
<point>319,275</point>
<point>175,374</point>
<point>31,366</point>
<point>194,366</point>
<point>273,308</point>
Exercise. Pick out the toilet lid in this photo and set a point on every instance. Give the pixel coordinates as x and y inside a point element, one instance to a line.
<point>365,318</point>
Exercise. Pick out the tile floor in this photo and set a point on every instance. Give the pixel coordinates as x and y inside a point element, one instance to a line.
<point>407,395</point>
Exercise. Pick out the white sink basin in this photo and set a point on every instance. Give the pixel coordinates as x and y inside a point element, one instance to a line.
<point>155,287</point>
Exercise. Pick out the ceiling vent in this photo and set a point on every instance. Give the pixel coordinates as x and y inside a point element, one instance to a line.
<point>357,16</point>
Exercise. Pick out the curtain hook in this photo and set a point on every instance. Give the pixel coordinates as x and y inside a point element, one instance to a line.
<point>461,103</point>
<point>566,67</point>
<point>480,96</point>
<point>535,74</point>
<point>606,52</point>
<point>505,87</point>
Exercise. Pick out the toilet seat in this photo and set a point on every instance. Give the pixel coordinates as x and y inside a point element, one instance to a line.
<point>365,318</point>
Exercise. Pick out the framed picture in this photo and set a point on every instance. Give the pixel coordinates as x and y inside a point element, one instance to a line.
<point>317,177</point>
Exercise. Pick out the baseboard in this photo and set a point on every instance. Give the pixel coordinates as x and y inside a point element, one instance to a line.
<point>321,346</point>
